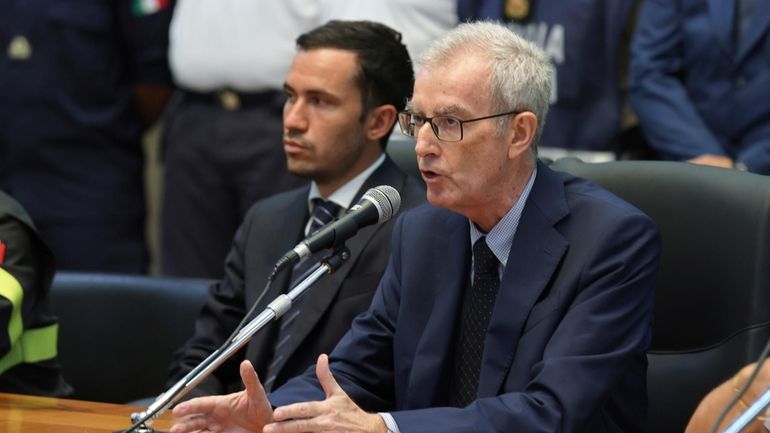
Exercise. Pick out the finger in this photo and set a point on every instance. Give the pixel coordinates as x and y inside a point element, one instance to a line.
<point>195,406</point>
<point>189,425</point>
<point>294,426</point>
<point>325,377</point>
<point>298,410</point>
<point>250,379</point>
<point>255,392</point>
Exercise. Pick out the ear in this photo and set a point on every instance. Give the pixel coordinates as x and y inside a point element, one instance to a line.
<point>523,129</point>
<point>379,121</point>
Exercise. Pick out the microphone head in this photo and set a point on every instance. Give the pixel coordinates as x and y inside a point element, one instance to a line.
<point>386,199</point>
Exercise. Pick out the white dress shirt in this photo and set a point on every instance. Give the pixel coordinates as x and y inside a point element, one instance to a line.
<point>244,45</point>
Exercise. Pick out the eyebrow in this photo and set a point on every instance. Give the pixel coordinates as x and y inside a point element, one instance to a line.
<point>448,110</point>
<point>312,92</point>
<point>453,109</point>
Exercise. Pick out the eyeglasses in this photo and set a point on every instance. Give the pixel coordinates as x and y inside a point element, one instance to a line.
<point>446,128</point>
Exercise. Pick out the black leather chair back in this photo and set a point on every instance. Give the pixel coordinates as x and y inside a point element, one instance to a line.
<point>712,309</point>
<point>401,150</point>
<point>117,333</point>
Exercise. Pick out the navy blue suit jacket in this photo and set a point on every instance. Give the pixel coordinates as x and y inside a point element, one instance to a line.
<point>565,349</point>
<point>694,89</point>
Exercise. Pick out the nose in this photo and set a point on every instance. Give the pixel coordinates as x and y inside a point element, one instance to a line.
<point>426,142</point>
<point>294,116</point>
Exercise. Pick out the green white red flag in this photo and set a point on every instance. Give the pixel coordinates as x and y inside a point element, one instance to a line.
<point>147,7</point>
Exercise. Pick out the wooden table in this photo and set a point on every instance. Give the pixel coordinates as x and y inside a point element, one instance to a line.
<point>29,414</point>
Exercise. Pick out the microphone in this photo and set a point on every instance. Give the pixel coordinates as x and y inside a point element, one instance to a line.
<point>376,206</point>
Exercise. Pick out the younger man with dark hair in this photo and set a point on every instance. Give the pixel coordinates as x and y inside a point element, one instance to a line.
<point>346,84</point>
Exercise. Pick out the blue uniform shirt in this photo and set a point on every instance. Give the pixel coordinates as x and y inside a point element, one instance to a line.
<point>69,130</point>
<point>583,40</point>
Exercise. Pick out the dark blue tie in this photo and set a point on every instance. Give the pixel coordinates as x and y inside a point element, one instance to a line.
<point>477,307</point>
<point>324,212</point>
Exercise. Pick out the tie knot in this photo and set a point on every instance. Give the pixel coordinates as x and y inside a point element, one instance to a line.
<point>324,212</point>
<point>484,260</point>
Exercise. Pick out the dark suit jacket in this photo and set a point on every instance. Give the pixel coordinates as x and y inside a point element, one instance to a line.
<point>565,349</point>
<point>26,261</point>
<point>271,228</point>
<point>697,92</point>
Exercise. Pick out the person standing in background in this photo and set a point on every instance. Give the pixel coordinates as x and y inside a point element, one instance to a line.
<point>79,82</point>
<point>585,41</point>
<point>221,150</point>
<point>418,21</point>
<point>700,80</point>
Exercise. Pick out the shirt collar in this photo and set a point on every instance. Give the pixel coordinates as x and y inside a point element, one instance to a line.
<point>345,194</point>
<point>500,238</point>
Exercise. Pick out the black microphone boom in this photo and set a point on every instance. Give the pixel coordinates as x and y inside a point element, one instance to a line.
<point>377,205</point>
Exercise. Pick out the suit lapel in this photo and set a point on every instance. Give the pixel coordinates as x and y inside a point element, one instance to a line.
<point>318,299</point>
<point>293,217</point>
<point>535,254</point>
<point>722,13</point>
<point>447,277</point>
<point>758,27</point>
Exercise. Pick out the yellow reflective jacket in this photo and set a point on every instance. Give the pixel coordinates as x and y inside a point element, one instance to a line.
<point>28,329</point>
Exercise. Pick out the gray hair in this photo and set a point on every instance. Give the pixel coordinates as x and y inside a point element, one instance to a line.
<point>520,73</point>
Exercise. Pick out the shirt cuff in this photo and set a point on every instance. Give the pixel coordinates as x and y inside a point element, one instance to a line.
<point>390,423</point>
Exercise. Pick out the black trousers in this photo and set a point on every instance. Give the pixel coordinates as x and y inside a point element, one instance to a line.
<point>217,163</point>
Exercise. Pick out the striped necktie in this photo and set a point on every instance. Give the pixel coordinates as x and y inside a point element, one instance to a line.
<point>324,212</point>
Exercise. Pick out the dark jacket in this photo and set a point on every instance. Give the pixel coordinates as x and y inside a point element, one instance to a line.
<point>272,227</point>
<point>28,341</point>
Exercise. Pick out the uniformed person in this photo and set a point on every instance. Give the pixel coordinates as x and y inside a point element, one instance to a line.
<point>79,81</point>
<point>586,117</point>
<point>28,363</point>
<point>222,147</point>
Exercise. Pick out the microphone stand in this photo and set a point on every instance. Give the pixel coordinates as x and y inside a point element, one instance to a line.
<point>752,412</point>
<point>142,421</point>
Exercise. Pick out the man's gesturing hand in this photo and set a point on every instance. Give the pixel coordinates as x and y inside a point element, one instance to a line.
<point>246,411</point>
<point>338,413</point>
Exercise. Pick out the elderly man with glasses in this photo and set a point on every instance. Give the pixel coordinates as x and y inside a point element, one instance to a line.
<point>520,299</point>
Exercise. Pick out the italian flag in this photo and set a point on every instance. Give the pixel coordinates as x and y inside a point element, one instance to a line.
<point>146,7</point>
